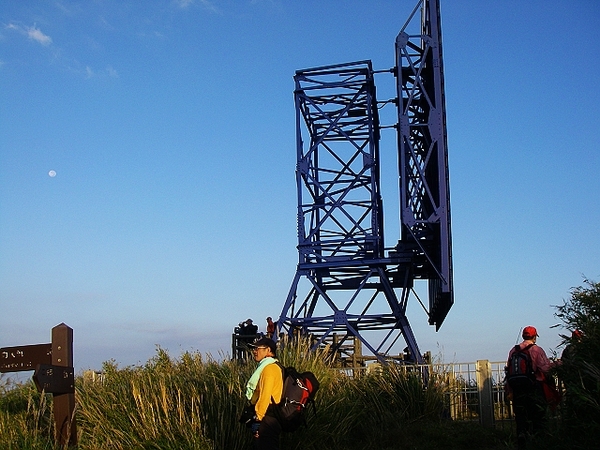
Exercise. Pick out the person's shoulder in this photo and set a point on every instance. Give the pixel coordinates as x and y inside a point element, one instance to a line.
<point>272,372</point>
<point>272,369</point>
<point>514,348</point>
<point>273,366</point>
<point>537,349</point>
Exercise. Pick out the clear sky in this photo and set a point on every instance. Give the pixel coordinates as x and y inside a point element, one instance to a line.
<point>169,126</point>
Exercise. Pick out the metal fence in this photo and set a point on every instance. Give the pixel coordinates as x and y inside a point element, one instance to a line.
<point>475,391</point>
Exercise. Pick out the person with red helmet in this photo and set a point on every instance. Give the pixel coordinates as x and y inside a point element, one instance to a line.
<point>529,403</point>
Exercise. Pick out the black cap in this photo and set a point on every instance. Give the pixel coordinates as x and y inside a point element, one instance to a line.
<point>265,342</point>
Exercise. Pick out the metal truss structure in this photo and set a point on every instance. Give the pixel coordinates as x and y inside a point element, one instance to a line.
<point>423,159</point>
<point>345,290</point>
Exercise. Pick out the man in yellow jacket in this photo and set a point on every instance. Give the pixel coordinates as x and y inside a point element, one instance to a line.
<point>265,387</point>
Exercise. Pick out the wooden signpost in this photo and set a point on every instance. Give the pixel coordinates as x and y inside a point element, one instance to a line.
<point>54,374</point>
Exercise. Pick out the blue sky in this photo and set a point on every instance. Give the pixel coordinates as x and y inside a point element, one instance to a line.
<point>170,126</point>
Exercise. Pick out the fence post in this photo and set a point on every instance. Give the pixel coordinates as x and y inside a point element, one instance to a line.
<point>454,396</point>
<point>484,388</point>
<point>64,404</point>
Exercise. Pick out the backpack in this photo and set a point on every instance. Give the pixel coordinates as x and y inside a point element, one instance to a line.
<point>519,371</point>
<point>299,390</point>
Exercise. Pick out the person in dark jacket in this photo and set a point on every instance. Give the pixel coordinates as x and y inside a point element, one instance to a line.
<point>529,403</point>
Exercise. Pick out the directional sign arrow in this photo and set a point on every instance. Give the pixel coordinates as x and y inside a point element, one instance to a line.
<point>24,357</point>
<point>54,379</point>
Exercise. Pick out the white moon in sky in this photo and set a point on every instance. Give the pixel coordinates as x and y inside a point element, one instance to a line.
<point>52,173</point>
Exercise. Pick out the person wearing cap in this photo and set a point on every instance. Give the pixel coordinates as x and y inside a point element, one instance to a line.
<point>264,387</point>
<point>529,406</point>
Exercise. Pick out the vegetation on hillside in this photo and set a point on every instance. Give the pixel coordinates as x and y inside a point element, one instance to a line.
<point>193,402</point>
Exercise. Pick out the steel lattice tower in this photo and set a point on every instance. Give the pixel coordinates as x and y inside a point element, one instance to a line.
<point>346,286</point>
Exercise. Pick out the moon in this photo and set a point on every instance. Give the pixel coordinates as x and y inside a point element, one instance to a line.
<point>52,173</point>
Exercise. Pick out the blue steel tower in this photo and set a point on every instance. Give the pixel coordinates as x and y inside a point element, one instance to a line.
<point>350,291</point>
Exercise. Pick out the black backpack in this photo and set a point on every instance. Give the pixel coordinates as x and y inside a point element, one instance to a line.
<point>298,392</point>
<point>519,371</point>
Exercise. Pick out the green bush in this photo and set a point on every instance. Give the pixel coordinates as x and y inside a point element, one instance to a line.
<point>580,368</point>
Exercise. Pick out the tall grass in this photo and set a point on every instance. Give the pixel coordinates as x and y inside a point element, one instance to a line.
<point>25,417</point>
<point>194,401</point>
<point>188,403</point>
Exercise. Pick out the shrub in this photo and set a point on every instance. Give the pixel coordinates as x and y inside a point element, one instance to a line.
<point>580,368</point>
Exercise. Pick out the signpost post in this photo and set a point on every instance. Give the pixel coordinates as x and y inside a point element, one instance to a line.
<point>65,431</point>
<point>54,374</point>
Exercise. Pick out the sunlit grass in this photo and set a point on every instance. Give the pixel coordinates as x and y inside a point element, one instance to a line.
<point>193,402</point>
<point>25,417</point>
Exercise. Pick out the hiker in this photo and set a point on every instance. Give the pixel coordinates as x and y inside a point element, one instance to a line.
<point>569,361</point>
<point>248,331</point>
<point>245,333</point>
<point>529,402</point>
<point>568,354</point>
<point>265,386</point>
<point>270,328</point>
